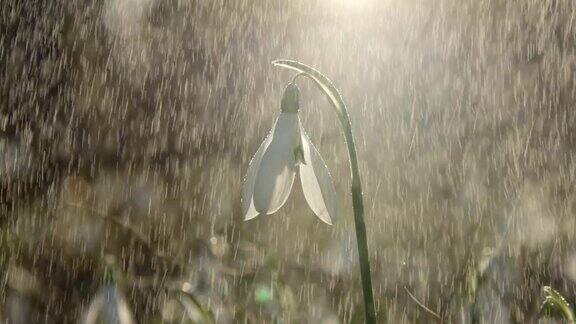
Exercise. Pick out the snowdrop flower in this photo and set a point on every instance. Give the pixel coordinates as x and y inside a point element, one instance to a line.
<point>272,170</point>
<point>108,306</point>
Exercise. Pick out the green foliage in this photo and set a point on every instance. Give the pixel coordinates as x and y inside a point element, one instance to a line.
<point>555,302</point>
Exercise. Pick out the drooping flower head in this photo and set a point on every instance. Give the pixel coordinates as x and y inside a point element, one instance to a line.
<point>286,150</point>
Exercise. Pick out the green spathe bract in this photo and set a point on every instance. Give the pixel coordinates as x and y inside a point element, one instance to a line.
<point>339,106</point>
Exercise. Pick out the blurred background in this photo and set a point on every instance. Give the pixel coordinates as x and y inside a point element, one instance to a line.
<point>126,128</point>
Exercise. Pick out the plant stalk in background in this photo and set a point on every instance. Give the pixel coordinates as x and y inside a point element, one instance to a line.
<point>340,107</point>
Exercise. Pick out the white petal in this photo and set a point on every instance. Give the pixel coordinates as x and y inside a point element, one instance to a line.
<point>248,209</point>
<point>278,166</point>
<point>316,183</point>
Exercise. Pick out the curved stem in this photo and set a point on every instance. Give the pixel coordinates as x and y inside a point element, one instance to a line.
<point>357,203</point>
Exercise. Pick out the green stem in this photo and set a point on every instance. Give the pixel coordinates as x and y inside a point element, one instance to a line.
<point>361,241</point>
<point>357,203</point>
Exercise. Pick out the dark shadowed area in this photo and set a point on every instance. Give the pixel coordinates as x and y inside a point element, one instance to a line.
<point>127,126</point>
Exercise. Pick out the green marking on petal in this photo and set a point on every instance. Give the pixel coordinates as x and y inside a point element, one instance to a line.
<point>299,155</point>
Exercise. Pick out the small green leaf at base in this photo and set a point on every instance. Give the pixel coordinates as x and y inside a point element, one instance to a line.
<point>555,302</point>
